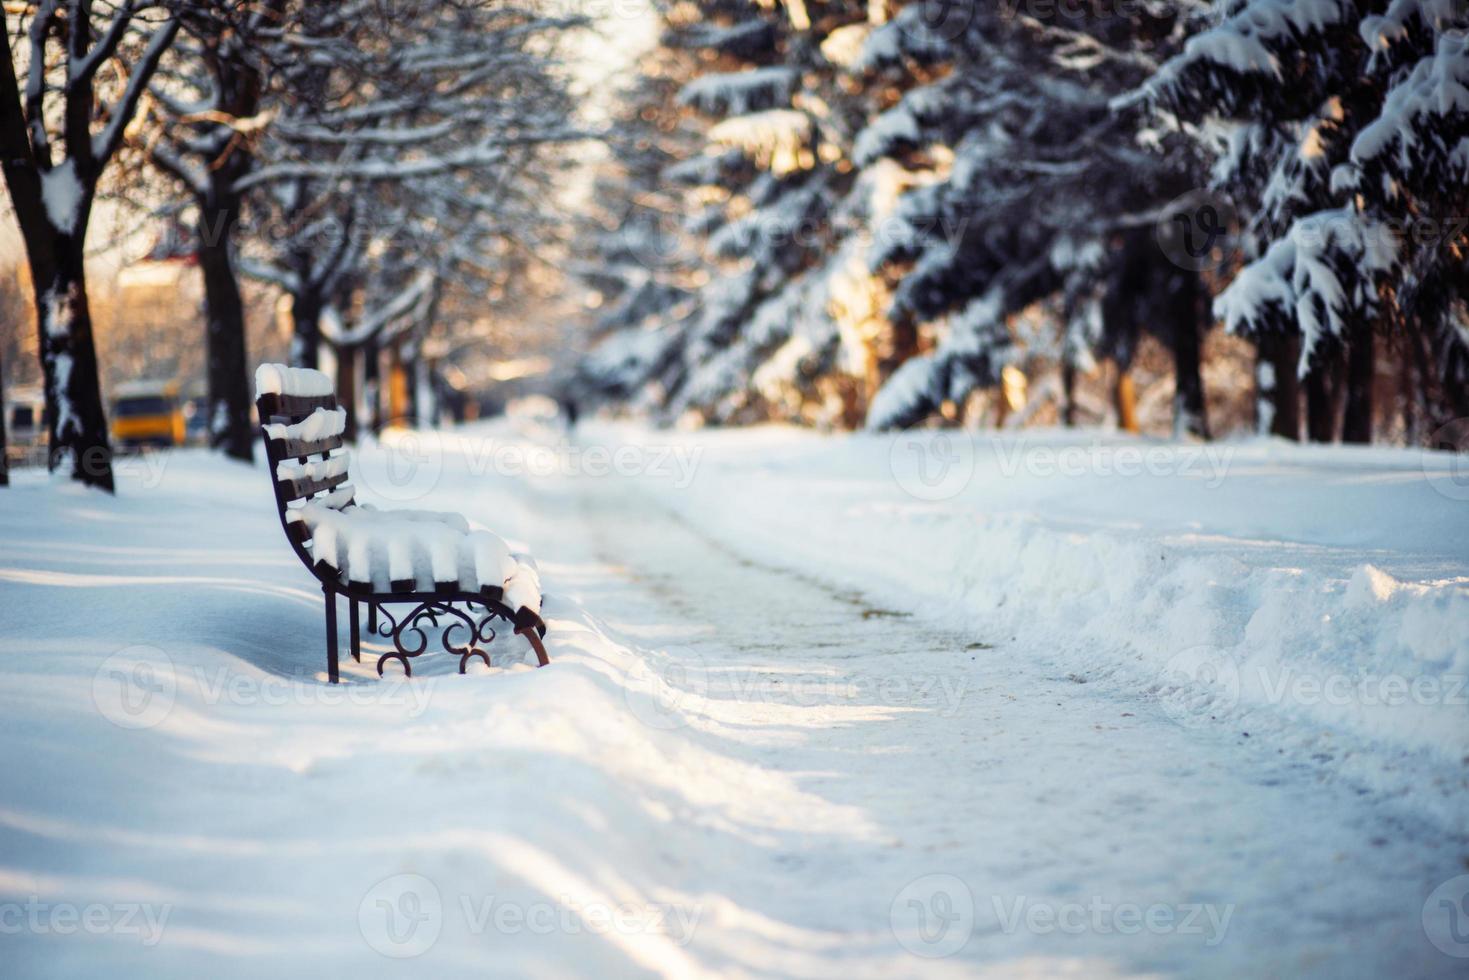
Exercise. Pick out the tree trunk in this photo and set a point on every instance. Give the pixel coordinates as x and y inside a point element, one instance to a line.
<point>53,203</point>
<point>1191,318</point>
<point>899,343</point>
<point>76,422</point>
<point>1278,392</point>
<point>1361,374</point>
<point>1125,397</point>
<point>228,374</point>
<point>1408,389</point>
<point>1454,379</point>
<point>397,388</point>
<point>4,420</point>
<point>1068,394</point>
<point>1190,414</point>
<point>347,389</point>
<point>1321,384</point>
<point>306,309</point>
<point>372,384</point>
<point>425,396</point>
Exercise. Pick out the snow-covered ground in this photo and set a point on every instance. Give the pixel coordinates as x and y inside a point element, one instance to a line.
<point>1047,705</point>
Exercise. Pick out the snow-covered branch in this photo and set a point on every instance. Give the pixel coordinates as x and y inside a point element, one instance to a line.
<point>120,113</point>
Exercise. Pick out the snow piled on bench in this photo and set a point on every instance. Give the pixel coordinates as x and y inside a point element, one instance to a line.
<point>321,424</point>
<point>316,469</point>
<point>278,379</point>
<point>375,548</point>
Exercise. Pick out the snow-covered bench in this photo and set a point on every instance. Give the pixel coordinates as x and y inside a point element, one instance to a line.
<point>434,561</point>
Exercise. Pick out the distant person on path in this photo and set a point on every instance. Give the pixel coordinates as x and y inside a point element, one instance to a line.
<point>568,406</point>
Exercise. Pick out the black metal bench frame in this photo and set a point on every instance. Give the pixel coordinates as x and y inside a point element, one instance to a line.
<point>472,612</point>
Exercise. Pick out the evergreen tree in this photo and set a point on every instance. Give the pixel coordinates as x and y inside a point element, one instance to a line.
<point>1045,193</point>
<point>888,190</point>
<point>774,312</point>
<point>1347,149</point>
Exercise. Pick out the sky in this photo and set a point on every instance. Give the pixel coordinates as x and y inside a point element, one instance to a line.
<point>622,31</point>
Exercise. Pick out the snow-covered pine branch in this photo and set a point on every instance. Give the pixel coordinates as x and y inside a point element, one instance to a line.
<point>1351,121</point>
<point>736,93</point>
<point>1320,278</point>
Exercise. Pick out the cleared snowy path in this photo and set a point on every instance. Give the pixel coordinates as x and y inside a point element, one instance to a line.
<point>996,812</point>
<point>751,756</point>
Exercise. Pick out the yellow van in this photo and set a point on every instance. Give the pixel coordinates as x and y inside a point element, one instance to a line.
<point>147,413</point>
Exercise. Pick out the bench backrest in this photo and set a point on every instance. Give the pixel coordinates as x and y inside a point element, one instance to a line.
<point>296,481</point>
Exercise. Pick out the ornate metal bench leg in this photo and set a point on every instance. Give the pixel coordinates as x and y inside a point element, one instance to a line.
<point>536,644</point>
<point>372,617</point>
<point>356,635</point>
<point>331,634</point>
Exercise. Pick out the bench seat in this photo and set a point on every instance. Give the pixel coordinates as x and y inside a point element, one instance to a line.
<point>402,551</point>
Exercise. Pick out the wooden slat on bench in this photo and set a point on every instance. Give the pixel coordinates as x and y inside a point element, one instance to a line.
<point>296,448</point>
<point>296,489</point>
<point>292,406</point>
<point>299,531</point>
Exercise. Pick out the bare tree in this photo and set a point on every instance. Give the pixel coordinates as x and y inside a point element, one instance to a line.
<point>84,74</point>
<point>209,96</point>
<point>401,159</point>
